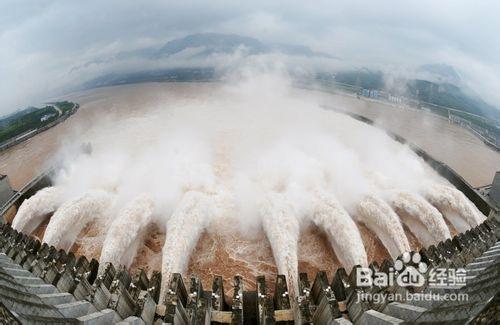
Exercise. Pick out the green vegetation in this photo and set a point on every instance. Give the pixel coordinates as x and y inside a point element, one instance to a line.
<point>448,95</point>
<point>64,106</point>
<point>363,78</point>
<point>30,119</point>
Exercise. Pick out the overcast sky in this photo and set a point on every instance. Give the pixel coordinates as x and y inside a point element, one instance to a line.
<point>41,40</point>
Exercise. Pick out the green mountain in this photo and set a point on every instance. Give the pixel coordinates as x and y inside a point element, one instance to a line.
<point>435,92</point>
<point>449,95</point>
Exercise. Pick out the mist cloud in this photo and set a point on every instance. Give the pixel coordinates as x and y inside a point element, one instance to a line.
<point>42,41</point>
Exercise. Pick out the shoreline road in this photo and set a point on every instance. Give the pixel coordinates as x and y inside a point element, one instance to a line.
<point>59,110</point>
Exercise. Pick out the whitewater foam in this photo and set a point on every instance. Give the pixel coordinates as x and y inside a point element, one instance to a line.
<point>126,232</point>
<point>33,210</point>
<point>74,215</point>
<point>341,230</point>
<point>378,216</point>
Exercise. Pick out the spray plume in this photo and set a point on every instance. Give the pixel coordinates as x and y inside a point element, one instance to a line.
<point>191,216</point>
<point>384,222</point>
<point>33,210</point>
<point>126,232</point>
<point>282,229</point>
<point>341,230</point>
<point>455,206</point>
<point>424,220</point>
<point>73,216</point>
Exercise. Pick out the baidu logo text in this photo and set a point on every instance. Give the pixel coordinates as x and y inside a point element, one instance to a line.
<point>403,274</point>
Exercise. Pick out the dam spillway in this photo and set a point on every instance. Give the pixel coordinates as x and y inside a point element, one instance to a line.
<point>73,291</point>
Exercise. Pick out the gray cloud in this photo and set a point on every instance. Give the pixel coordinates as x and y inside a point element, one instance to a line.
<point>42,41</point>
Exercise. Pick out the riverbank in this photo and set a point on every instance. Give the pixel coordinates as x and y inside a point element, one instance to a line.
<point>31,133</point>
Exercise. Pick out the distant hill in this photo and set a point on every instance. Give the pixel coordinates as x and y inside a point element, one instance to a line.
<point>162,75</point>
<point>438,84</point>
<point>5,120</point>
<point>199,46</point>
<point>444,93</point>
<point>449,95</point>
<point>362,78</point>
<point>214,43</point>
<point>440,72</point>
<point>196,46</point>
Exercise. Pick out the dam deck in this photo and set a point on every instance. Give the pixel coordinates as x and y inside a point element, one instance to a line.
<point>40,284</point>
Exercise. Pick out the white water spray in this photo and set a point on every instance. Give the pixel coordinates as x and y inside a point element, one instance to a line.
<point>191,216</point>
<point>74,215</point>
<point>126,232</point>
<point>423,219</point>
<point>254,138</point>
<point>455,206</point>
<point>341,230</point>
<point>384,222</point>
<point>282,229</point>
<point>33,210</point>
